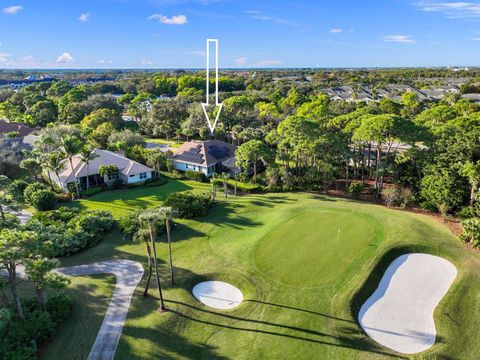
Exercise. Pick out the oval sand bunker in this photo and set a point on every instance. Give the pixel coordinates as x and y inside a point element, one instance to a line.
<point>399,314</point>
<point>218,294</point>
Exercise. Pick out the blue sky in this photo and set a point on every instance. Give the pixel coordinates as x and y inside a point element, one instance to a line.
<point>172,33</point>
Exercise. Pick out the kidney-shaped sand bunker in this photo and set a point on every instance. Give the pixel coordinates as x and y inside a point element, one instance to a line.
<point>399,314</point>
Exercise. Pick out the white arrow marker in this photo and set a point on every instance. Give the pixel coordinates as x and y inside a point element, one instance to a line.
<point>206,103</point>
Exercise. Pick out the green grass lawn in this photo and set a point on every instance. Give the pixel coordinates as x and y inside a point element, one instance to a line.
<point>302,282</point>
<point>121,201</point>
<point>171,143</point>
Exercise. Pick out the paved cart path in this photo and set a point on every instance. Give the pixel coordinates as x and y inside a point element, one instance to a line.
<point>128,274</point>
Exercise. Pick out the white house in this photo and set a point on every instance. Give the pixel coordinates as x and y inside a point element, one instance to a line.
<point>207,157</point>
<point>129,171</point>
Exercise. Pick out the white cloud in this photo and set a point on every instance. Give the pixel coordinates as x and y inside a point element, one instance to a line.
<point>404,39</point>
<point>241,61</point>
<point>476,38</point>
<point>103,61</point>
<point>453,10</point>
<point>84,17</point>
<point>336,31</point>
<point>174,20</point>
<point>4,58</point>
<point>12,10</point>
<point>65,58</point>
<point>269,63</point>
<point>146,62</point>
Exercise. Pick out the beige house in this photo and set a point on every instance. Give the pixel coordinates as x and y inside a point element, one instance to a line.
<point>129,171</point>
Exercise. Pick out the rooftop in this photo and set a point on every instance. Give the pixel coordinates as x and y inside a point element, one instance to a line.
<point>205,153</point>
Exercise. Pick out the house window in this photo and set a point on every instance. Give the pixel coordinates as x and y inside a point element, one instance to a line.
<point>143,175</point>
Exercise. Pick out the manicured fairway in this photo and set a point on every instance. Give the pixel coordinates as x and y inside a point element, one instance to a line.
<point>302,285</point>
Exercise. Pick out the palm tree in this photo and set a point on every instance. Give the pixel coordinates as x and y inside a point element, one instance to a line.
<point>167,214</point>
<point>225,178</point>
<point>149,218</point>
<point>87,154</point>
<point>54,162</point>
<point>70,146</point>
<point>43,161</point>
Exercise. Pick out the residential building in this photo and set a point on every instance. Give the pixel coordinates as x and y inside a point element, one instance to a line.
<point>208,157</point>
<point>129,171</point>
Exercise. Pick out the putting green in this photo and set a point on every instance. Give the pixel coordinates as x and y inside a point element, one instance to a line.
<point>315,246</point>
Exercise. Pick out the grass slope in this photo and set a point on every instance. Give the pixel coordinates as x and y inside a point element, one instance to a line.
<point>120,202</point>
<point>303,306</point>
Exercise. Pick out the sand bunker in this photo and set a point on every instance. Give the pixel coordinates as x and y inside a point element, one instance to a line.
<point>218,294</point>
<point>399,314</point>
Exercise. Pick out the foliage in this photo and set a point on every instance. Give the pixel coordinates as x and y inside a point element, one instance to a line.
<point>355,188</point>
<point>40,323</point>
<point>43,200</point>
<point>195,175</point>
<point>390,195</point>
<point>188,205</point>
<point>133,230</point>
<point>471,231</point>
<point>67,230</point>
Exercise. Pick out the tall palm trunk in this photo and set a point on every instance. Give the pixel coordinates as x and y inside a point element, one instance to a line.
<point>74,177</point>
<point>150,264</point>
<point>169,241</point>
<point>157,274</point>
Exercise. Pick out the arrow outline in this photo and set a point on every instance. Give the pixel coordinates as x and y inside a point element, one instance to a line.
<point>207,103</point>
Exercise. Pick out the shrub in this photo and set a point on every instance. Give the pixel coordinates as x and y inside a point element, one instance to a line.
<point>59,306</point>
<point>40,322</point>
<point>174,175</point>
<point>131,228</point>
<point>93,224</point>
<point>189,205</point>
<point>31,189</point>
<point>196,176</point>
<point>471,232</point>
<point>43,200</point>
<point>68,230</point>
<point>390,195</point>
<point>443,209</point>
<point>405,197</point>
<point>157,182</point>
<point>17,188</point>
<point>355,189</point>
<point>64,197</point>
<point>91,191</point>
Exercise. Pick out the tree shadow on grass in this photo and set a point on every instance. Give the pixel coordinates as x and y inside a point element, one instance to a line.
<point>298,309</point>
<point>187,312</point>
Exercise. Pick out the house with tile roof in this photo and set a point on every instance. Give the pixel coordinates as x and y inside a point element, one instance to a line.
<point>208,157</point>
<point>129,171</point>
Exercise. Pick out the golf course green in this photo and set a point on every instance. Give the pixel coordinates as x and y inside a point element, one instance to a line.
<point>302,280</point>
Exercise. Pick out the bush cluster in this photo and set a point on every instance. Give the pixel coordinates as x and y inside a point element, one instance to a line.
<point>196,176</point>
<point>68,230</point>
<point>91,191</point>
<point>132,229</point>
<point>189,205</point>
<point>39,197</point>
<point>17,338</point>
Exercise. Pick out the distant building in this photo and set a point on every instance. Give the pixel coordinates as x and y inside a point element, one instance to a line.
<point>8,127</point>
<point>129,171</point>
<point>472,97</point>
<point>208,157</point>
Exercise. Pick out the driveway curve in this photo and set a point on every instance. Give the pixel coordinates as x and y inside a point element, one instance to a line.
<point>128,274</point>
